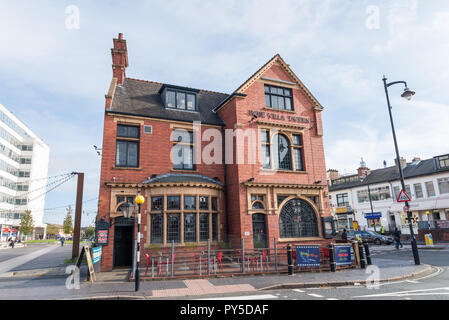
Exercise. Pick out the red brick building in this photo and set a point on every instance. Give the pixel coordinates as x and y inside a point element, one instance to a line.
<point>211,166</point>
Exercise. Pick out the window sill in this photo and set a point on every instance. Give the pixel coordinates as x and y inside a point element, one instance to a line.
<point>278,110</point>
<point>186,245</point>
<point>184,171</point>
<point>282,171</point>
<point>126,168</point>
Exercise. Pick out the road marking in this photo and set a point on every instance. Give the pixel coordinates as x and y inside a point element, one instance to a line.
<point>331,299</point>
<point>298,290</point>
<point>315,295</point>
<point>412,281</point>
<point>254,297</point>
<point>408,293</point>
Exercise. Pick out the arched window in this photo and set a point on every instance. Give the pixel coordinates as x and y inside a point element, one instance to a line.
<point>258,205</point>
<point>298,220</point>
<point>281,153</point>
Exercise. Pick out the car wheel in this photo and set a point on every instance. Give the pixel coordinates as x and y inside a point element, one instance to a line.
<point>378,242</point>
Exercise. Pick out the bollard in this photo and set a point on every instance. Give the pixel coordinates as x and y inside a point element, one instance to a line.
<point>290,260</point>
<point>362,256</point>
<point>332,257</point>
<point>367,253</point>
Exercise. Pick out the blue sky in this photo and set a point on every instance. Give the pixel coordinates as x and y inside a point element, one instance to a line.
<point>54,77</point>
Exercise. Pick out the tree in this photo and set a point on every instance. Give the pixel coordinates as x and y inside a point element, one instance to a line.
<point>67,226</point>
<point>89,232</point>
<point>26,224</point>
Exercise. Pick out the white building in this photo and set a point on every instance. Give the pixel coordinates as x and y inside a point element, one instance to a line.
<point>23,170</point>
<point>427,184</point>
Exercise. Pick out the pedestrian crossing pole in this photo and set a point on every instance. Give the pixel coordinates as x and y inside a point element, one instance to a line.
<point>139,200</point>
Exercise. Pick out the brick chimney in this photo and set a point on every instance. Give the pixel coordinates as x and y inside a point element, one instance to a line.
<point>403,162</point>
<point>119,59</point>
<point>333,174</point>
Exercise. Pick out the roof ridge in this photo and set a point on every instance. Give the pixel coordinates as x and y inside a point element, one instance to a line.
<point>150,81</point>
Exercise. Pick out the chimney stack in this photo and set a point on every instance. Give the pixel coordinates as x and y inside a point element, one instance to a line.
<point>119,59</point>
<point>332,174</point>
<point>403,162</point>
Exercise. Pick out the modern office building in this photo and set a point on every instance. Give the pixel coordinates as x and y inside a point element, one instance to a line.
<point>23,170</point>
<point>426,183</point>
<point>246,167</point>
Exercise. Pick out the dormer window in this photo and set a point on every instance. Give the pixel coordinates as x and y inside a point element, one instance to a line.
<point>443,161</point>
<point>179,98</point>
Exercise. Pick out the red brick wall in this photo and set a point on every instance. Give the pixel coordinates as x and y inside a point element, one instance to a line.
<point>154,158</point>
<point>237,112</point>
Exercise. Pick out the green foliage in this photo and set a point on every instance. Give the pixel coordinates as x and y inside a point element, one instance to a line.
<point>26,224</point>
<point>67,226</point>
<point>52,229</point>
<point>89,232</point>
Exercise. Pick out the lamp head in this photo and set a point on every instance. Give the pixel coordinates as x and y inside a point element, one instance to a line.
<point>128,209</point>
<point>140,199</point>
<point>408,94</point>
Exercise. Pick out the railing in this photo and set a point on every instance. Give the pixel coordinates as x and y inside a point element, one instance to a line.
<point>192,263</point>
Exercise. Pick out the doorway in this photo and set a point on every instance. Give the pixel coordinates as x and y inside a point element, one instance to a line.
<point>123,246</point>
<point>259,231</point>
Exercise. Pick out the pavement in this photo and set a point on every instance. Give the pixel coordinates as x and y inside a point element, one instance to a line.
<point>116,284</point>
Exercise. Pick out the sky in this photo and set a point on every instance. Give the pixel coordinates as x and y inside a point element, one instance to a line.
<point>55,68</point>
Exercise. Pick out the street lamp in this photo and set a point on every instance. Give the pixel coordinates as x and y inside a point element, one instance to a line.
<point>139,200</point>
<point>128,210</point>
<point>407,95</point>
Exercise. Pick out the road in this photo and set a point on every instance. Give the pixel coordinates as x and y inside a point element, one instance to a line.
<point>432,286</point>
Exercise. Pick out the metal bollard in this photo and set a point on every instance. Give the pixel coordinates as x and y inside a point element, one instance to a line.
<point>362,256</point>
<point>367,253</point>
<point>290,260</point>
<point>332,258</point>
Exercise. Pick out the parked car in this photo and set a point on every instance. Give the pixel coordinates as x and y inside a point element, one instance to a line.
<point>370,236</point>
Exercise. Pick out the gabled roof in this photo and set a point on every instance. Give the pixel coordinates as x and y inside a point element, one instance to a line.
<point>142,98</point>
<point>258,74</point>
<point>389,174</point>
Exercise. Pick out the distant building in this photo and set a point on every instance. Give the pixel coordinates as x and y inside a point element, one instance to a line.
<point>23,170</point>
<point>427,184</point>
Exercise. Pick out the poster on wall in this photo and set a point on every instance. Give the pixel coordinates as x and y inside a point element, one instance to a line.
<point>343,255</point>
<point>102,237</point>
<point>307,256</point>
<point>96,254</point>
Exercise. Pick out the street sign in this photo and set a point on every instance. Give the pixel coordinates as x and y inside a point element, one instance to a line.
<point>403,197</point>
<point>406,209</point>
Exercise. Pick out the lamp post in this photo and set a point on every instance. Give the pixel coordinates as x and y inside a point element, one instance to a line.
<point>407,94</point>
<point>139,200</point>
